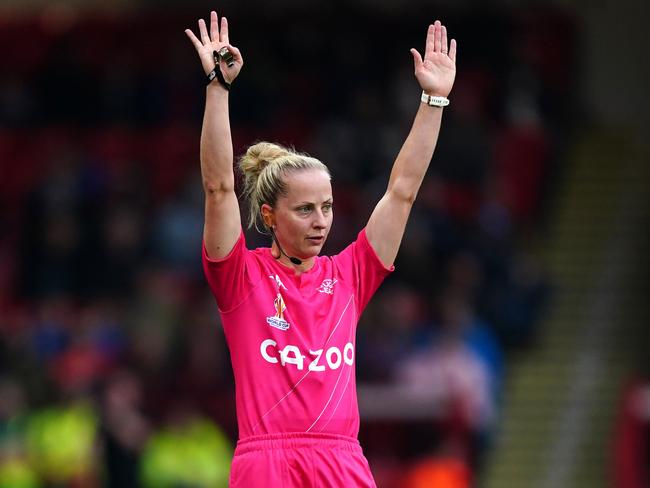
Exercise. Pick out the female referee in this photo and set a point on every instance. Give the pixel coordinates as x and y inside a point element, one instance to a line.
<point>290,315</point>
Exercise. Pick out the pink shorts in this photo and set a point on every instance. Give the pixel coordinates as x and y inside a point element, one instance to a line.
<point>298,460</point>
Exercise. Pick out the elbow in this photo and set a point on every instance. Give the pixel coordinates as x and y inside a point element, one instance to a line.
<point>403,193</point>
<point>215,187</point>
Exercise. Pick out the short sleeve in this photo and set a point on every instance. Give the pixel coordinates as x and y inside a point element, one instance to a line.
<point>233,277</point>
<point>360,264</point>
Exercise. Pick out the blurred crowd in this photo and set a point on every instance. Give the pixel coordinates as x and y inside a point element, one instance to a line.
<point>113,367</point>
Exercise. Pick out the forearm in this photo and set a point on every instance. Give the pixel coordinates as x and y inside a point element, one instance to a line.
<point>435,74</point>
<point>216,141</point>
<point>413,159</point>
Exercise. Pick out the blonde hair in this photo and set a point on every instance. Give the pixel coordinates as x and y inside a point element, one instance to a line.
<point>264,165</point>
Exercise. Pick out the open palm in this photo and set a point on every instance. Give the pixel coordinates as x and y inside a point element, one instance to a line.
<point>217,39</point>
<point>436,72</point>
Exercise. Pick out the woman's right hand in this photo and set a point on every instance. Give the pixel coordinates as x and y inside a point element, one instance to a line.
<point>217,39</point>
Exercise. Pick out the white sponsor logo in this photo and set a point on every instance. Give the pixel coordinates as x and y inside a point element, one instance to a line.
<point>327,286</point>
<point>290,354</point>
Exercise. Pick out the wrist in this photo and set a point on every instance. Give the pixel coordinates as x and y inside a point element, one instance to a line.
<point>434,100</point>
<point>216,85</point>
<point>435,93</point>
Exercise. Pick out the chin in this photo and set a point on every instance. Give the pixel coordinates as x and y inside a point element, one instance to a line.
<point>309,254</point>
<point>311,251</point>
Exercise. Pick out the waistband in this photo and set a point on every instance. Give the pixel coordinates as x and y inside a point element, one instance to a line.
<point>296,440</point>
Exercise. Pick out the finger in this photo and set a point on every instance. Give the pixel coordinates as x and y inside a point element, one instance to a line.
<point>429,45</point>
<point>444,47</point>
<point>194,39</point>
<point>224,30</point>
<point>214,26</point>
<point>417,59</point>
<point>235,52</point>
<point>437,36</point>
<point>205,39</point>
<point>452,50</point>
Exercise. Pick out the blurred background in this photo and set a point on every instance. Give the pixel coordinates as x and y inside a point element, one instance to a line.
<point>510,348</point>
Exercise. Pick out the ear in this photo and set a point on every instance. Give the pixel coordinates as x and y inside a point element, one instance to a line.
<point>267,215</point>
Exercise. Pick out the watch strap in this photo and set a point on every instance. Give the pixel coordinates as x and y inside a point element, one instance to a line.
<point>434,101</point>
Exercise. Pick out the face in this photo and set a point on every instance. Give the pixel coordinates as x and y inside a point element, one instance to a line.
<point>303,217</point>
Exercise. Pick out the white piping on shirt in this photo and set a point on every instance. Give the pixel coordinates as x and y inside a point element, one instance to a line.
<point>337,403</point>
<point>328,400</point>
<point>332,394</point>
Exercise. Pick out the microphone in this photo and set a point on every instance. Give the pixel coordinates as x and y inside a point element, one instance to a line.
<point>295,261</point>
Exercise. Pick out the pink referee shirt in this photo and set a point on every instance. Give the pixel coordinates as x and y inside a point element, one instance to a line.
<point>292,338</point>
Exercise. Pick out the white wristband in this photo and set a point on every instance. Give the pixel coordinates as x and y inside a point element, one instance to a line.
<point>432,101</point>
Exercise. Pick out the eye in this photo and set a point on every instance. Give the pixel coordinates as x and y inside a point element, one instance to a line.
<point>327,207</point>
<point>304,210</point>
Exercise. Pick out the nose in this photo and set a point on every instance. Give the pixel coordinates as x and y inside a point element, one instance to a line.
<point>320,220</point>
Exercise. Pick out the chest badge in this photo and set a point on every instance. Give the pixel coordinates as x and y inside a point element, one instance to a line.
<point>327,286</point>
<point>277,320</point>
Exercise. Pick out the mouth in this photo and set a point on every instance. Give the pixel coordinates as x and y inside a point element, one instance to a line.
<point>316,239</point>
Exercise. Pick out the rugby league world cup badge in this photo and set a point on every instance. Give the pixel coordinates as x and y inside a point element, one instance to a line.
<point>277,320</point>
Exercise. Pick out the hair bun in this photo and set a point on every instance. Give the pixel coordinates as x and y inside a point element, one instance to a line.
<point>259,156</point>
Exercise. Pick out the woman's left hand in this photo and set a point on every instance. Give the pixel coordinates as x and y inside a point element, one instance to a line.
<point>437,71</point>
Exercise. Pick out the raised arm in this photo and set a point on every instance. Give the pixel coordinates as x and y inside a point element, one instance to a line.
<point>435,74</point>
<point>222,220</point>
